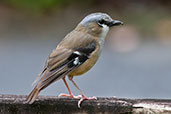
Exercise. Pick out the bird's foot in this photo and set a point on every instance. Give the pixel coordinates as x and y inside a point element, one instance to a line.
<point>70,96</point>
<point>85,98</point>
<point>81,97</point>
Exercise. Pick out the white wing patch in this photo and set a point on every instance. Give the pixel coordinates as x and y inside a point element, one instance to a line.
<point>76,61</point>
<point>78,53</point>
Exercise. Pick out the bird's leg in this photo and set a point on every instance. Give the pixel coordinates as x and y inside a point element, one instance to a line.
<point>70,94</point>
<point>83,97</point>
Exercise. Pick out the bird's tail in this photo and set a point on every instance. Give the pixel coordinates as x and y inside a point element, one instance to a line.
<point>32,96</point>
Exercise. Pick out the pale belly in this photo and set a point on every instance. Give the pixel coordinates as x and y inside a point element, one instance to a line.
<point>85,67</point>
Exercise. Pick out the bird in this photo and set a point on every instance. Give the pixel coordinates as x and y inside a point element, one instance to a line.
<point>75,55</point>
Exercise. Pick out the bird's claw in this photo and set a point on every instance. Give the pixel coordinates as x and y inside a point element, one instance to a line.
<point>70,96</point>
<point>85,98</point>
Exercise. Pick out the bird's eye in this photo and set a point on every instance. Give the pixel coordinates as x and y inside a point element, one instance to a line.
<point>101,22</point>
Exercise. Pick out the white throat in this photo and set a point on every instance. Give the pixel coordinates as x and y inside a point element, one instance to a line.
<point>105,30</point>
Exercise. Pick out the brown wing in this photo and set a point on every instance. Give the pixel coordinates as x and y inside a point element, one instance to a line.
<point>56,66</point>
<point>57,57</point>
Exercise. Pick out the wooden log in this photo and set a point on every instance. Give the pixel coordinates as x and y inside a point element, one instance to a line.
<point>15,104</point>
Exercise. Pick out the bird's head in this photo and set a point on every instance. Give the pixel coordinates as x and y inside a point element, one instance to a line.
<point>98,23</point>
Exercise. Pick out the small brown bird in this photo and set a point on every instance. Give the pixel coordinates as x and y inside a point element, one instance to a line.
<point>75,54</point>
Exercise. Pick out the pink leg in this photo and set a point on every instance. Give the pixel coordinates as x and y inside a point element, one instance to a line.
<point>83,96</point>
<point>70,94</point>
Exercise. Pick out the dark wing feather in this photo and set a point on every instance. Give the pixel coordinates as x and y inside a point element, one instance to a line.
<point>88,49</point>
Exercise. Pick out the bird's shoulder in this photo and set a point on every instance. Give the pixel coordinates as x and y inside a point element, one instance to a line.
<point>76,39</point>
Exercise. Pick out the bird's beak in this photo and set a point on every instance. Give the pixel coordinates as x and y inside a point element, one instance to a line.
<point>115,23</point>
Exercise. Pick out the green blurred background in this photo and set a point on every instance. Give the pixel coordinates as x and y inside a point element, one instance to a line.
<point>135,63</point>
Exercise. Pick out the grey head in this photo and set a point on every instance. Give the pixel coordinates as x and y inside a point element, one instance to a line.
<point>101,19</point>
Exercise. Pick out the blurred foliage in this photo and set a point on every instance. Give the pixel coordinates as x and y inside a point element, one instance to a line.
<point>40,5</point>
<point>43,5</point>
<point>142,14</point>
<point>145,18</point>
